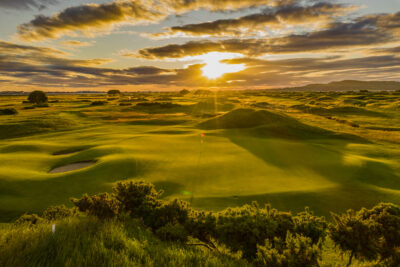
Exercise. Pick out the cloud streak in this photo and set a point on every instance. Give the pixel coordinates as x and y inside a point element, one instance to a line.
<point>277,18</point>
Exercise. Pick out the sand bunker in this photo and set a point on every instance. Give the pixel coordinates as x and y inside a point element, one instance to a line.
<point>72,166</point>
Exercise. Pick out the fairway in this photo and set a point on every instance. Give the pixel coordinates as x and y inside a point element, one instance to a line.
<point>215,151</point>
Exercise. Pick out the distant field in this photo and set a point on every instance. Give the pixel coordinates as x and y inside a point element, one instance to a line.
<point>329,151</point>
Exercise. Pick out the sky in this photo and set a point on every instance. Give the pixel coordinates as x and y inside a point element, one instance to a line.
<point>163,45</point>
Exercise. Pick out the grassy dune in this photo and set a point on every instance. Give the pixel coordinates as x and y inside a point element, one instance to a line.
<point>256,146</point>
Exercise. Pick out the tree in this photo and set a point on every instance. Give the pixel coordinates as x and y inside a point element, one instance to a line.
<point>184,92</point>
<point>113,92</point>
<point>37,97</point>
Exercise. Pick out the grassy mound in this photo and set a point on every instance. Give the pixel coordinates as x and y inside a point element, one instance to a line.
<point>344,110</point>
<point>263,123</point>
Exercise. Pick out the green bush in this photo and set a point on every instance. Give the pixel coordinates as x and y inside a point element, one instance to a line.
<point>37,97</point>
<point>30,219</point>
<point>113,92</point>
<point>296,250</point>
<point>98,103</point>
<point>353,234</point>
<point>8,111</point>
<point>54,213</point>
<point>103,206</point>
<point>138,198</point>
<point>172,232</point>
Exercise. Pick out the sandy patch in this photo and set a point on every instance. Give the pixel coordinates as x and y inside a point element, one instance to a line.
<point>72,167</point>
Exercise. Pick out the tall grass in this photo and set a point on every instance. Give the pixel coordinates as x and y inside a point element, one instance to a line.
<point>90,242</point>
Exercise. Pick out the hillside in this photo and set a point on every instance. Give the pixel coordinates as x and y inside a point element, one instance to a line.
<point>348,85</point>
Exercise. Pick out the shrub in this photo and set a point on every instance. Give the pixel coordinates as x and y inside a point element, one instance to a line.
<point>242,229</point>
<point>386,218</point>
<point>172,232</point>
<point>202,225</point>
<point>99,103</point>
<point>173,212</point>
<point>314,227</point>
<point>125,104</point>
<point>103,206</point>
<point>30,219</point>
<point>37,97</point>
<point>138,198</point>
<point>58,212</point>
<point>8,111</point>
<point>113,92</point>
<point>353,234</point>
<point>184,92</point>
<point>296,250</point>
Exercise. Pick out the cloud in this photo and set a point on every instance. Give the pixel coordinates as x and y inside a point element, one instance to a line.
<point>362,32</point>
<point>88,18</point>
<point>276,18</point>
<point>27,4</point>
<point>75,43</point>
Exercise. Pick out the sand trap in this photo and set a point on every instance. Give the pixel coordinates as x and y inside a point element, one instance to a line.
<point>72,167</point>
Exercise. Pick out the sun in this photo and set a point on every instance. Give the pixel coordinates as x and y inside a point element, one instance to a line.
<point>214,68</point>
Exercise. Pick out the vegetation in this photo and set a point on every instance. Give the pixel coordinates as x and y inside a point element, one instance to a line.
<point>8,111</point>
<point>245,235</point>
<point>37,97</point>
<point>113,92</point>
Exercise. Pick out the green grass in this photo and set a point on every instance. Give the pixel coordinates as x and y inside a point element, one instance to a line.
<point>273,153</point>
<point>90,242</point>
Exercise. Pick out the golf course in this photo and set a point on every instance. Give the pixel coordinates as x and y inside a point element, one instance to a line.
<point>330,151</point>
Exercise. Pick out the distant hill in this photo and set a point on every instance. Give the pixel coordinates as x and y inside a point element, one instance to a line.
<point>348,85</point>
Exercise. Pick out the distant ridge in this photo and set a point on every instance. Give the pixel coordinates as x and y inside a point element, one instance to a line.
<point>347,85</point>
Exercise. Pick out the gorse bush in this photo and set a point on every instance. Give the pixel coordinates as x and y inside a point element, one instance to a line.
<point>261,235</point>
<point>103,206</point>
<point>294,250</point>
<point>369,234</point>
<point>58,213</point>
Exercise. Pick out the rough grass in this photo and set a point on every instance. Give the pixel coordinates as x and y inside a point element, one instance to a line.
<point>90,242</point>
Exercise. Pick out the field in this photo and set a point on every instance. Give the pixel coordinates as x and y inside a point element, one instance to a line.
<point>329,151</point>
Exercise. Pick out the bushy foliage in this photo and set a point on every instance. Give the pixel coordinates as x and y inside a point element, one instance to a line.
<point>114,92</point>
<point>103,206</point>
<point>386,218</point>
<point>138,198</point>
<point>172,232</point>
<point>184,92</point>
<point>309,225</point>
<point>295,250</point>
<point>37,97</point>
<point>30,219</point>
<point>242,229</point>
<point>54,213</point>
<point>8,111</point>
<point>353,234</point>
<point>98,103</point>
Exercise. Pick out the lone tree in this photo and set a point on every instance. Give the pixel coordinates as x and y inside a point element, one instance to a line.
<point>184,92</point>
<point>37,97</point>
<point>113,92</point>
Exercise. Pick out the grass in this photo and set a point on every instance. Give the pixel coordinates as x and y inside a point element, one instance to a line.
<point>90,242</point>
<point>270,152</point>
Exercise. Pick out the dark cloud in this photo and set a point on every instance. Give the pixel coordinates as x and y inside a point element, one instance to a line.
<point>26,4</point>
<point>364,31</point>
<point>87,18</point>
<point>91,17</point>
<point>279,17</point>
